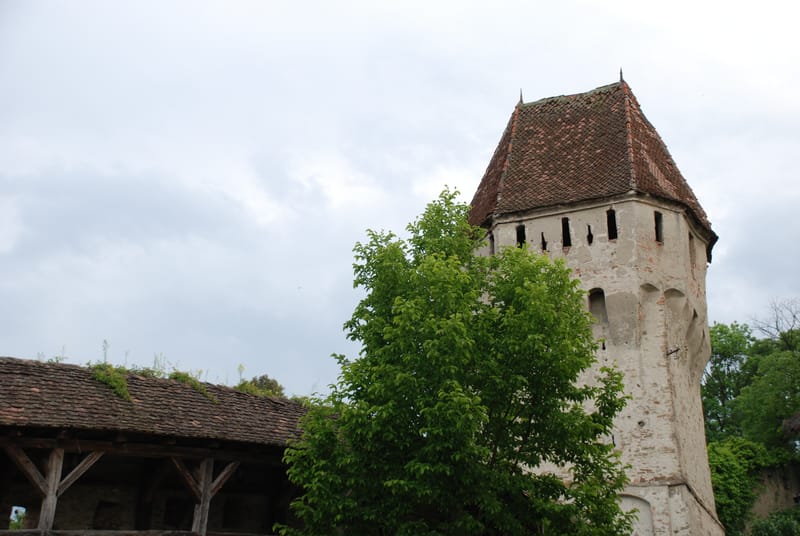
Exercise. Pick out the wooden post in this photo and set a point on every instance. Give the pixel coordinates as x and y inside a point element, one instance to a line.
<point>78,472</point>
<point>50,487</point>
<point>48,512</point>
<point>205,481</point>
<point>203,488</point>
<point>188,479</point>
<point>28,468</point>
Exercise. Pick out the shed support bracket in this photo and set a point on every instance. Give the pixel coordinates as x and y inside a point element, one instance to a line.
<point>203,486</point>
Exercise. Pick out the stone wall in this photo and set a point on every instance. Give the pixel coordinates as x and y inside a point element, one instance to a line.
<point>779,490</point>
<point>646,289</point>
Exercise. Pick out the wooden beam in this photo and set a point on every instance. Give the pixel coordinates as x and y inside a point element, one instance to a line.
<point>203,488</point>
<point>200,522</point>
<point>223,477</point>
<point>125,532</point>
<point>188,479</point>
<point>268,455</point>
<point>78,472</point>
<point>28,468</point>
<point>48,511</point>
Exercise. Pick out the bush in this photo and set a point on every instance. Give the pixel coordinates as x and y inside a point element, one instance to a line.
<point>734,464</point>
<point>786,523</point>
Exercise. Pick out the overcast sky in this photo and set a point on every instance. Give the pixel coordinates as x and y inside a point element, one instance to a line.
<point>188,179</point>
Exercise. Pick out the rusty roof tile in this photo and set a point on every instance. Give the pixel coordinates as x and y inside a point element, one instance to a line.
<point>58,395</point>
<point>573,148</point>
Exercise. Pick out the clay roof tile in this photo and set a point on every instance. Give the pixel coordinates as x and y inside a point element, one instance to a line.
<point>58,395</point>
<point>573,148</point>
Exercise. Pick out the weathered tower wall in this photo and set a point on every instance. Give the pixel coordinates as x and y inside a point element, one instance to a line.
<point>646,288</point>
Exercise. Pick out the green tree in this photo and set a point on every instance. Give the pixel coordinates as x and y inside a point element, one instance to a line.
<point>467,380</point>
<point>782,325</point>
<point>725,376</point>
<point>772,397</point>
<point>734,464</point>
<point>786,523</point>
<point>261,385</point>
<point>773,394</point>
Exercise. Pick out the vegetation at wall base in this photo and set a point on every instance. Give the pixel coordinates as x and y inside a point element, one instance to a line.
<point>786,523</point>
<point>735,463</point>
<point>466,381</point>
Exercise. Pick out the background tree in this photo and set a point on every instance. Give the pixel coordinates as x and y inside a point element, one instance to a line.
<point>725,376</point>
<point>782,325</point>
<point>750,387</point>
<point>772,397</point>
<point>466,380</point>
<point>261,385</point>
<point>786,523</point>
<point>773,393</point>
<point>735,464</point>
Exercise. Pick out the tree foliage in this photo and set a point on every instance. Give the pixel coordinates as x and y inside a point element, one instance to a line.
<point>735,463</point>
<point>773,395</point>
<point>725,376</point>
<point>786,523</point>
<point>466,381</point>
<point>261,386</point>
<point>782,325</point>
<point>750,387</point>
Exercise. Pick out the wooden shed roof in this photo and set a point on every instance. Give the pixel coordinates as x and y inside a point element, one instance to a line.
<point>60,396</point>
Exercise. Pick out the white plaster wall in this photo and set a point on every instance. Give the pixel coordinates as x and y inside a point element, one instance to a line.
<point>656,334</point>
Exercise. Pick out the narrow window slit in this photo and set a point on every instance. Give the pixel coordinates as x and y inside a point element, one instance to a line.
<point>589,235</point>
<point>659,227</point>
<point>544,243</point>
<point>611,221</point>
<point>566,241</point>
<point>520,236</point>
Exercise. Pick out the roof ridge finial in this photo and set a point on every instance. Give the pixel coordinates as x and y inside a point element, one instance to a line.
<point>620,75</point>
<point>520,96</point>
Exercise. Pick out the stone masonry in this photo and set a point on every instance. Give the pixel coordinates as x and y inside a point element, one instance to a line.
<point>587,179</point>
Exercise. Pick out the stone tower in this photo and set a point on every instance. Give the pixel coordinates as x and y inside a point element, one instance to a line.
<point>587,178</point>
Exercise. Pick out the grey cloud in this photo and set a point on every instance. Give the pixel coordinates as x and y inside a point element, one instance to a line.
<point>159,158</point>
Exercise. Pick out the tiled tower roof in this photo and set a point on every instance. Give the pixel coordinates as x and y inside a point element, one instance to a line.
<point>574,148</point>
